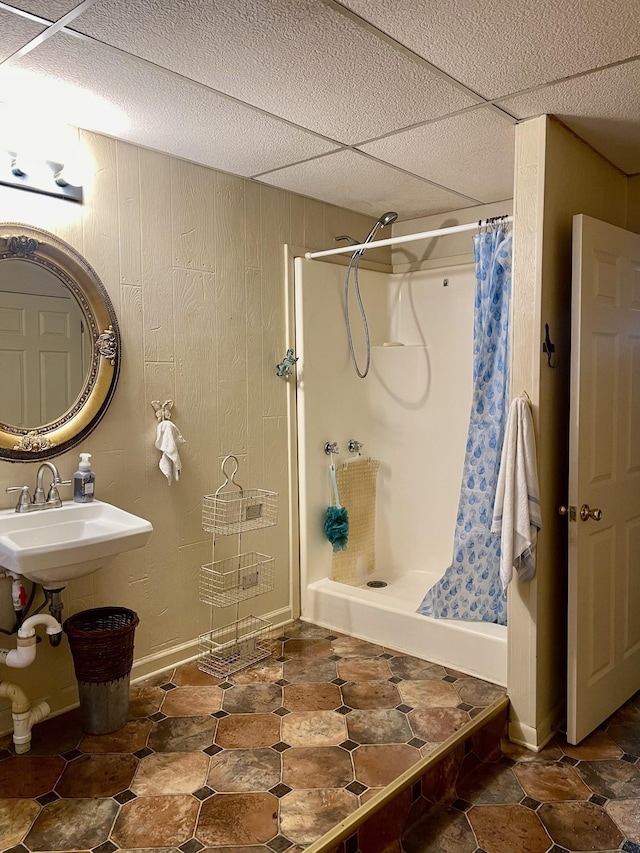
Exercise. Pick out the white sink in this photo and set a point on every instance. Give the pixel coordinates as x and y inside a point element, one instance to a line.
<point>53,546</point>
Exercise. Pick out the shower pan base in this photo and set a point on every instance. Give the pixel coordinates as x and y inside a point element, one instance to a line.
<point>386,615</point>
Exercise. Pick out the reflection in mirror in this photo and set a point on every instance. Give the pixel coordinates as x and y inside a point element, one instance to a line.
<point>43,351</point>
<point>59,345</point>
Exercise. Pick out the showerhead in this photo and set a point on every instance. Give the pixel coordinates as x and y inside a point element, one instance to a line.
<point>386,219</point>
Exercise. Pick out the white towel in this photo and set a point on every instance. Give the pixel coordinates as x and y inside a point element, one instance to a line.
<point>516,512</point>
<point>168,439</point>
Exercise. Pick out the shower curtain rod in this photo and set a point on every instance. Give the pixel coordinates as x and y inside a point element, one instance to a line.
<point>405,238</point>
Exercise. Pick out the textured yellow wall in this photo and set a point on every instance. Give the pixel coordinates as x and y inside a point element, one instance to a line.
<point>193,261</point>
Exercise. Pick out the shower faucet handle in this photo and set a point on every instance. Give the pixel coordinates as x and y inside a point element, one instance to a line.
<point>354,446</point>
<point>331,447</point>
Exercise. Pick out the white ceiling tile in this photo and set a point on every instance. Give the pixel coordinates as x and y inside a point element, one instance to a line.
<point>297,59</point>
<point>165,112</point>
<point>471,153</point>
<point>52,10</point>
<point>498,47</point>
<point>351,180</point>
<point>15,32</point>
<point>603,108</point>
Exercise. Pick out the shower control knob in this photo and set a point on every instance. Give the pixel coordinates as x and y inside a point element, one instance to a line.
<point>354,446</point>
<point>331,447</point>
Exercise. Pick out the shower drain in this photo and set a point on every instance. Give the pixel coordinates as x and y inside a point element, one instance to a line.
<point>376,584</point>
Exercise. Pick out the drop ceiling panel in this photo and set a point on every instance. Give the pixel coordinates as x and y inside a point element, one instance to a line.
<point>297,59</point>
<point>51,10</point>
<point>15,32</point>
<point>471,153</point>
<point>497,46</point>
<point>166,112</point>
<point>351,180</point>
<point>603,108</point>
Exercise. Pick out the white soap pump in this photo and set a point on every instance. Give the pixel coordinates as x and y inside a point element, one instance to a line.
<point>84,480</point>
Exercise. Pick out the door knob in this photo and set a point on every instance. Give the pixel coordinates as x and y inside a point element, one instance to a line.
<point>571,511</point>
<point>586,513</point>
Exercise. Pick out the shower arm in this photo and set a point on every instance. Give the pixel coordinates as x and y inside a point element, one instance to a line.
<point>404,238</point>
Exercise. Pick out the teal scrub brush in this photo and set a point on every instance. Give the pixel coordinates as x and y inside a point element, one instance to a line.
<point>336,521</point>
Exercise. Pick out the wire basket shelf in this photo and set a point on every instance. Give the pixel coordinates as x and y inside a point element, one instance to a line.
<point>226,582</point>
<point>238,512</point>
<point>234,647</point>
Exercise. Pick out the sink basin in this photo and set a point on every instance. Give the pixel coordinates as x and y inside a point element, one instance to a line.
<point>53,546</point>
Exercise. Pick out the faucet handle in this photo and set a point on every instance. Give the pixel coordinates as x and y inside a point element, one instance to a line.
<point>25,498</point>
<point>53,496</point>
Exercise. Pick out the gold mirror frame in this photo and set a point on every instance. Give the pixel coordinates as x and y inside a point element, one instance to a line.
<point>43,441</point>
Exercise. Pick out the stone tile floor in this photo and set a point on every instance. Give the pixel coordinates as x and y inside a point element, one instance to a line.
<point>563,798</point>
<point>271,758</point>
<point>268,759</point>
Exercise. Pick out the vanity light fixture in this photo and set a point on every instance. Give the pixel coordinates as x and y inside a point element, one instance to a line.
<point>44,176</point>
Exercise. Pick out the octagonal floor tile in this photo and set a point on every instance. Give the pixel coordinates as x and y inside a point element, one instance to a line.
<point>580,826</point>
<point>72,825</point>
<point>505,829</point>
<point>377,765</point>
<point>552,782</point>
<point>233,820</point>
<point>244,770</point>
<point>314,728</point>
<point>97,776</point>
<point>317,767</point>
<point>307,814</point>
<point>164,821</point>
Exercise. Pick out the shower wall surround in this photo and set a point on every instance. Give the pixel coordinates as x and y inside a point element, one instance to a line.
<point>193,262</point>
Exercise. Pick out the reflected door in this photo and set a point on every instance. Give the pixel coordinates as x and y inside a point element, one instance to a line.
<point>41,357</point>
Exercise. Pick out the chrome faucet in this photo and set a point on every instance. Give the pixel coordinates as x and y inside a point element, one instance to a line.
<point>53,499</point>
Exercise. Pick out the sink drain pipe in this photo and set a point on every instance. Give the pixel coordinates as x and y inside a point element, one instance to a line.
<point>24,716</point>
<point>25,653</point>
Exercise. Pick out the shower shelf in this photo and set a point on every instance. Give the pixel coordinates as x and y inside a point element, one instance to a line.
<point>226,513</point>
<point>238,578</point>
<point>244,576</point>
<point>234,647</point>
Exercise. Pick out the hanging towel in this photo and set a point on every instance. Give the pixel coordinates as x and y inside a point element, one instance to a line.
<point>516,512</point>
<point>357,487</point>
<point>168,439</point>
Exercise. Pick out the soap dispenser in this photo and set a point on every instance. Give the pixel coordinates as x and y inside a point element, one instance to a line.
<point>84,480</point>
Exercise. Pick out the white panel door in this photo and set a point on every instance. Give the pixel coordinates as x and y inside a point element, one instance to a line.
<point>604,475</point>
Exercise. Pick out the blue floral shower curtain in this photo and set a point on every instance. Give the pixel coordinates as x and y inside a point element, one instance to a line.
<point>470,588</point>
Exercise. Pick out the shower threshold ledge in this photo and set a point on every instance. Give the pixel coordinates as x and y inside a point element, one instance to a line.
<point>496,713</point>
<point>377,615</point>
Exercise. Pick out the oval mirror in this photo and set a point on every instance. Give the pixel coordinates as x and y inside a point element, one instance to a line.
<point>59,345</point>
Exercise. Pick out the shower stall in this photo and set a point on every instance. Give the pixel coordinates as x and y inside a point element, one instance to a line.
<point>410,413</point>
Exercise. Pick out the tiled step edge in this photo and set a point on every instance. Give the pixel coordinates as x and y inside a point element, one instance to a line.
<point>490,723</point>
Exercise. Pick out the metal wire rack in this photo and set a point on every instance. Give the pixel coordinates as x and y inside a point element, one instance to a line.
<point>229,512</point>
<point>226,582</point>
<point>226,513</point>
<point>234,647</point>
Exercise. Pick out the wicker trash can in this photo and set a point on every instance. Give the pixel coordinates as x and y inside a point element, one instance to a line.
<point>101,642</point>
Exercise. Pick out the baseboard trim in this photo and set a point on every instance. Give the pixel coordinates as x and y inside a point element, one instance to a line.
<point>536,738</point>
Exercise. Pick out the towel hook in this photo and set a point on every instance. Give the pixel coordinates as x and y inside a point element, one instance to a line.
<point>162,410</point>
<point>548,347</point>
